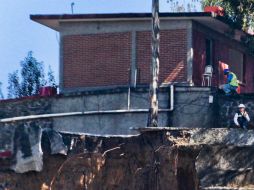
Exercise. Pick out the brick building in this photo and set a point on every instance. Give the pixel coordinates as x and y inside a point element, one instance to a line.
<point>108,50</point>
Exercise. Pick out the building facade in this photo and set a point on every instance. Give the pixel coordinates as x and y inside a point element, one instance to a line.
<point>111,50</point>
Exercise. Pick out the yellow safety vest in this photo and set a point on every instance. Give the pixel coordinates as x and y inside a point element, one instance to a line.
<point>234,81</point>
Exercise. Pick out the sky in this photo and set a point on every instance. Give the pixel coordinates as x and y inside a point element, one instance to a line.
<point>19,34</point>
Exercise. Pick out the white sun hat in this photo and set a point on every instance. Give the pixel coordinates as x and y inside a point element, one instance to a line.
<point>241,106</point>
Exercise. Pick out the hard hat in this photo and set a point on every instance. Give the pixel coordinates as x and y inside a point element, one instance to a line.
<point>241,106</point>
<point>226,71</point>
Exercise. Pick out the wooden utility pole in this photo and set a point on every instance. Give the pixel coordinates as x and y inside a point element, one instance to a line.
<point>153,110</point>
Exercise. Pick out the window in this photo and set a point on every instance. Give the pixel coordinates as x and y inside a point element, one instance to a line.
<point>209,52</point>
<point>236,64</point>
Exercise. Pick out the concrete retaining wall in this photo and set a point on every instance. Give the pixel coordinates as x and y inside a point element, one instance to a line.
<point>191,109</point>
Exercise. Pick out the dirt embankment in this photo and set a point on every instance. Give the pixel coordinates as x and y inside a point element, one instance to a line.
<point>147,161</point>
<point>154,160</point>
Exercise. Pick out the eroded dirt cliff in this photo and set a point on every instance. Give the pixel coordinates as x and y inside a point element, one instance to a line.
<point>176,159</point>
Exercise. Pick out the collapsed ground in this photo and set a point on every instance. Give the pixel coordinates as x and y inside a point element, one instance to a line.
<point>177,159</point>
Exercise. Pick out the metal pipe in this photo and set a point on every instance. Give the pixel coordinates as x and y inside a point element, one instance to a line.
<point>171,98</point>
<point>129,98</point>
<point>135,78</point>
<point>72,5</point>
<point>41,116</point>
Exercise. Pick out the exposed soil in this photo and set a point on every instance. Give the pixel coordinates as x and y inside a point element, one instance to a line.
<point>154,160</point>
<point>148,161</point>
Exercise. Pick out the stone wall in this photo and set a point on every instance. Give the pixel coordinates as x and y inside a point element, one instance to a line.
<point>227,107</point>
<point>25,106</point>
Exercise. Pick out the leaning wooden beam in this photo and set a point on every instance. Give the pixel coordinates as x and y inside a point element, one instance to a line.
<point>153,109</point>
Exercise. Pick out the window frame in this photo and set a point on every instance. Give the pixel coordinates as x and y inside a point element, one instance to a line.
<point>209,45</point>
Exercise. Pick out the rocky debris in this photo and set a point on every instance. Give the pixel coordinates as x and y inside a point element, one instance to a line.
<point>225,166</point>
<point>158,158</point>
<point>57,145</point>
<point>6,141</point>
<point>235,136</point>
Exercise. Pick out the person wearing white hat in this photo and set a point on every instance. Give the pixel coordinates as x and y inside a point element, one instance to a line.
<point>242,118</point>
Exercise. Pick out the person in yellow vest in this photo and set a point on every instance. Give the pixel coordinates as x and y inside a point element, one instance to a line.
<point>232,83</point>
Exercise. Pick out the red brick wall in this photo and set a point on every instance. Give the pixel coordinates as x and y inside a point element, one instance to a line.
<point>96,60</point>
<point>221,54</point>
<point>173,56</point>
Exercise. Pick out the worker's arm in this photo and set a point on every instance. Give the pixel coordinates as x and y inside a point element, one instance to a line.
<point>246,115</point>
<point>235,119</point>
<point>230,76</point>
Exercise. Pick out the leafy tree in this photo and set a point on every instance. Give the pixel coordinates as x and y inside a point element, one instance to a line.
<point>181,6</point>
<point>241,12</point>
<point>32,74</point>
<point>51,79</point>
<point>1,92</point>
<point>13,85</point>
<point>32,78</point>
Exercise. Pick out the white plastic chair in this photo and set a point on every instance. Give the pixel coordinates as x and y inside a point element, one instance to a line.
<point>207,75</point>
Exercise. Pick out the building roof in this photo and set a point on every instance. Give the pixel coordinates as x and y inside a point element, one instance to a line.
<point>208,19</point>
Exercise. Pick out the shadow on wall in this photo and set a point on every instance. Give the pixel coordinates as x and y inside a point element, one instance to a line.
<point>192,109</point>
<point>176,71</point>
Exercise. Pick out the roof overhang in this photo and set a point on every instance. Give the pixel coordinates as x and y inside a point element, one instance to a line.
<point>207,19</point>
